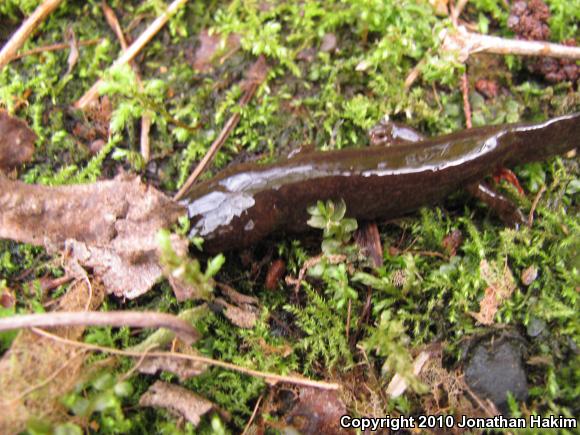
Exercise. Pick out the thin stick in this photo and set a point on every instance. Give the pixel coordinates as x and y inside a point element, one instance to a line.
<point>269,377</point>
<point>466,105</point>
<point>133,369</point>
<point>468,43</point>
<point>253,415</point>
<point>348,320</point>
<point>146,319</point>
<point>134,49</point>
<point>534,205</point>
<point>457,10</point>
<point>113,22</point>
<point>25,30</point>
<point>54,47</point>
<point>217,143</point>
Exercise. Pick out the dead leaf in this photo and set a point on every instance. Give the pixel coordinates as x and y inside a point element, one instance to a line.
<point>211,46</point>
<point>329,43</point>
<point>183,368</point>
<point>243,317</point>
<point>242,310</point>
<point>317,412</point>
<point>274,274</point>
<point>32,360</point>
<point>7,298</point>
<point>452,242</point>
<point>529,275</point>
<point>177,400</point>
<point>237,297</point>
<point>16,142</point>
<point>501,285</point>
<point>73,56</point>
<point>110,226</point>
<point>369,241</point>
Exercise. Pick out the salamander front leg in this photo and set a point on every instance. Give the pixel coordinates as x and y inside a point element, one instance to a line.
<point>389,133</point>
<point>507,211</point>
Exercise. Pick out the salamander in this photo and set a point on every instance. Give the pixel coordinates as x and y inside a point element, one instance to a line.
<point>247,202</point>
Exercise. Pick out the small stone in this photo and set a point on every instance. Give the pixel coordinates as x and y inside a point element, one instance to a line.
<point>495,369</point>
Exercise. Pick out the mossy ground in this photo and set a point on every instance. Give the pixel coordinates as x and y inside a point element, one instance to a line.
<point>325,101</point>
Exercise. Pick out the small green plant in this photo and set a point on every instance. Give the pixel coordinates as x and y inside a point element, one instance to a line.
<point>389,340</point>
<point>104,395</point>
<point>187,270</point>
<point>336,229</point>
<point>325,334</point>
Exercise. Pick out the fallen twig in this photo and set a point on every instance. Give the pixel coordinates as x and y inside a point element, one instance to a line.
<point>256,407</point>
<point>457,10</point>
<point>468,43</point>
<point>145,118</point>
<point>25,30</point>
<point>54,47</point>
<point>269,377</point>
<point>534,205</point>
<point>253,84</point>
<point>134,49</point>
<point>466,105</point>
<point>149,319</point>
<point>311,262</point>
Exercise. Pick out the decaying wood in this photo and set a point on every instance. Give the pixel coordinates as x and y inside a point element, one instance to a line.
<point>26,29</point>
<point>109,226</point>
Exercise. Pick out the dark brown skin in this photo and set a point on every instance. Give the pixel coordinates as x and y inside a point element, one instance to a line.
<point>247,202</point>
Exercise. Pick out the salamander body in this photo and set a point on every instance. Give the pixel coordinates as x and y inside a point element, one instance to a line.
<point>247,202</point>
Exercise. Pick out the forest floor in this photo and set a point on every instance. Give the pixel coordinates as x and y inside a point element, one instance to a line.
<point>462,308</point>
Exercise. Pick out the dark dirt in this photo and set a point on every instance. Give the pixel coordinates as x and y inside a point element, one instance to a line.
<point>529,20</point>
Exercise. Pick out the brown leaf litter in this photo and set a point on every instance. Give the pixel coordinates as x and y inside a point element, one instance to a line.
<point>529,20</point>
<point>305,410</point>
<point>500,287</point>
<point>183,368</point>
<point>177,400</point>
<point>16,142</point>
<point>448,391</point>
<point>212,46</point>
<point>109,226</point>
<point>368,239</point>
<point>242,310</point>
<point>36,371</point>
